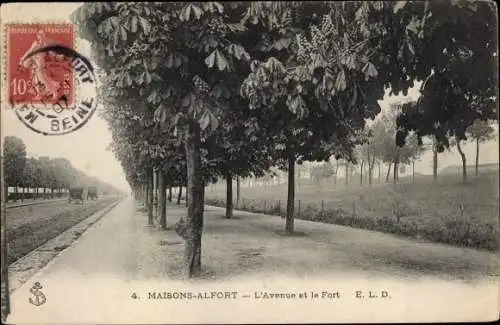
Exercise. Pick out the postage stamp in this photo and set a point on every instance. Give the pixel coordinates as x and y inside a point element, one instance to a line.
<point>50,86</point>
<point>43,78</point>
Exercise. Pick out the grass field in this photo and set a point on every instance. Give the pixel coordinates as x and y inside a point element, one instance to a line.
<point>447,212</point>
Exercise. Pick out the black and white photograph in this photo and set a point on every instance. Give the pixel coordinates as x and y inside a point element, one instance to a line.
<point>255,162</point>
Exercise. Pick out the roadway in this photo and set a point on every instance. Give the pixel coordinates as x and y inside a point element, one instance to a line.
<point>93,281</point>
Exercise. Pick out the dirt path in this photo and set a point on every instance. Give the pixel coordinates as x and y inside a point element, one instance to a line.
<point>253,243</point>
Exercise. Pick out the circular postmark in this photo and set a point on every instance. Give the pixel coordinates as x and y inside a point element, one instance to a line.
<point>60,95</point>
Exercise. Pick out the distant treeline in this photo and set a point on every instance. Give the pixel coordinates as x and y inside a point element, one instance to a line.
<point>42,177</point>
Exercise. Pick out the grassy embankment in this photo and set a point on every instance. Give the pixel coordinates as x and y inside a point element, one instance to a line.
<point>29,227</point>
<point>447,212</point>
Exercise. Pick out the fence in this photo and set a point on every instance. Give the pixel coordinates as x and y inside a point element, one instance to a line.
<point>454,226</point>
<point>31,194</point>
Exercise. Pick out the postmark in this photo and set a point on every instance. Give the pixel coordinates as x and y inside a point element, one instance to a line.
<point>50,86</point>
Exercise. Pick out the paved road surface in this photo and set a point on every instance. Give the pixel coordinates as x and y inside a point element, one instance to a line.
<point>93,280</point>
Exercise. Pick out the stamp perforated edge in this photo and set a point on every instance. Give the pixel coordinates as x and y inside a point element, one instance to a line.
<point>6,49</point>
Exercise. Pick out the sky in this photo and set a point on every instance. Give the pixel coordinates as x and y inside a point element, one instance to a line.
<point>86,148</point>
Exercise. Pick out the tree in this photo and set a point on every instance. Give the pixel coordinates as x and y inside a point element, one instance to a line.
<point>382,142</point>
<point>318,78</point>
<point>480,131</point>
<point>30,179</point>
<point>238,148</point>
<point>382,139</point>
<point>14,152</point>
<point>413,151</point>
<point>174,55</point>
<point>322,171</point>
<point>457,62</point>
<point>44,162</point>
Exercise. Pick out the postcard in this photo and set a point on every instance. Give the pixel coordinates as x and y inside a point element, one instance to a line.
<point>249,162</point>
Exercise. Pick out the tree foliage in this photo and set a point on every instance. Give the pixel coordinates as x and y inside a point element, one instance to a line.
<point>14,153</point>
<point>43,172</point>
<point>201,90</point>
<point>457,62</point>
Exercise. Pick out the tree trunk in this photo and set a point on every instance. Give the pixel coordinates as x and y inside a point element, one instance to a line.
<point>477,156</point>
<point>413,171</point>
<point>52,192</point>
<point>36,193</point>
<point>346,173</point>
<point>434,160</point>
<point>388,172</point>
<point>291,196</point>
<point>149,199</point>
<point>370,171</point>
<point>155,194</point>
<point>395,172</point>
<point>361,173</point>
<point>163,199</point>
<point>237,191</point>
<point>464,160</point>
<point>379,171</point>
<point>367,173</point>
<point>336,173</point>
<point>179,195</point>
<point>396,165</point>
<point>229,196</point>
<point>195,192</point>
<point>169,193</point>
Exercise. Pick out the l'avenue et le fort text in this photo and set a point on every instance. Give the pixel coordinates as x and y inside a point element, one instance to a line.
<point>266,295</point>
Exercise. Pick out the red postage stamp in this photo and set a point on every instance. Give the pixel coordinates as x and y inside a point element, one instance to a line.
<point>42,78</point>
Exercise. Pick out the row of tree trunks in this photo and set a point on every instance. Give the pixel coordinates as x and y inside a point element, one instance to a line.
<point>195,192</point>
